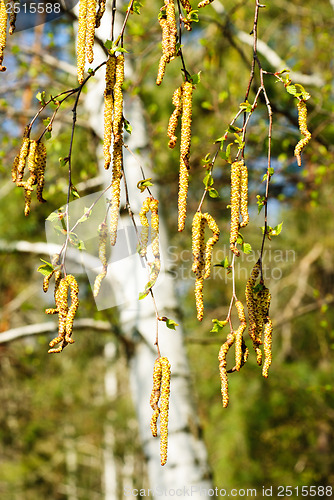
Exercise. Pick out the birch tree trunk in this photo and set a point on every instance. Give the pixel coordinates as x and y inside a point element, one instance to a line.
<point>187,467</point>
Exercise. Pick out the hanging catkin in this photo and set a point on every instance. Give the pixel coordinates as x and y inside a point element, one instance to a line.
<point>267,341</point>
<point>164,408</point>
<point>235,205</point>
<point>173,120</point>
<point>3,31</point>
<point>108,108</point>
<point>187,91</point>
<point>81,40</point>
<point>244,195</point>
<point>239,342</point>
<point>161,391</point>
<point>167,23</point>
<point>117,148</point>
<point>204,3</point>
<point>302,122</point>
<point>103,237</point>
<point>40,170</point>
<point>222,367</point>
<point>91,20</point>
<point>252,312</point>
<point>145,226</point>
<point>210,243</point>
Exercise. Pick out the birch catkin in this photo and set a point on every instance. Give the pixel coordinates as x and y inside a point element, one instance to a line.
<point>222,367</point>
<point>302,122</point>
<point>235,205</point>
<point>3,31</point>
<point>81,40</point>
<point>103,237</point>
<point>244,195</point>
<point>187,91</point>
<point>90,30</point>
<point>117,147</point>
<point>173,120</point>
<point>108,109</point>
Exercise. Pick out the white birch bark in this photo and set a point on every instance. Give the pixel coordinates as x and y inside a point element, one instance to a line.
<point>187,467</point>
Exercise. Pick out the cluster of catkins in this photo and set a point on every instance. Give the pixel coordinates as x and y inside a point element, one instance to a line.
<point>65,313</point>
<point>182,101</point>
<point>89,19</point>
<point>33,154</point>
<point>160,392</point>
<point>202,254</point>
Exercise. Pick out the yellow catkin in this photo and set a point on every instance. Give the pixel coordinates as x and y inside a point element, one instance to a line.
<point>155,396</point>
<point>302,122</point>
<point>164,408</point>
<point>46,280</point>
<point>40,169</point>
<point>117,147</point>
<point>3,31</point>
<point>22,157</point>
<point>199,283</point>
<point>108,109</point>
<point>222,368</point>
<point>164,59</point>
<point>118,98</point>
<point>31,162</point>
<point>244,195</point>
<point>161,69</point>
<point>267,341</point>
<point>198,226</point>
<point>116,189</point>
<point>100,12</point>
<point>27,201</point>
<point>155,228</point>
<point>74,288</point>
<point>239,342</point>
<point>210,243</point>
<point>173,120</point>
<point>170,15</point>
<point>187,92</point>
<point>90,29</point>
<point>235,205</point>
<point>204,3</point>
<point>103,237</point>
<point>81,40</point>
<point>62,309</point>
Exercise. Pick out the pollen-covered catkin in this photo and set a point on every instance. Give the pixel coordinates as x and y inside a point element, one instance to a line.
<point>40,169</point>
<point>199,283</point>
<point>108,109</point>
<point>61,298</point>
<point>170,14</point>
<point>164,408</point>
<point>198,226</point>
<point>155,228</point>
<point>116,189</point>
<point>210,243</point>
<point>222,367</point>
<point>22,157</point>
<point>302,122</point>
<point>244,195</point>
<point>239,350</point>
<point>187,92</point>
<point>81,40</point>
<point>155,396</point>
<point>267,341</point>
<point>73,307</point>
<point>235,205</point>
<point>117,148</point>
<point>90,29</point>
<point>118,98</point>
<point>3,31</point>
<point>103,237</point>
<point>173,120</point>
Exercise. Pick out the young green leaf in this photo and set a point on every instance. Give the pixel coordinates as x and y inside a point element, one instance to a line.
<point>218,325</point>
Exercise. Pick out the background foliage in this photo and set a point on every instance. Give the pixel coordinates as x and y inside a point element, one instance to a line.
<point>275,431</point>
